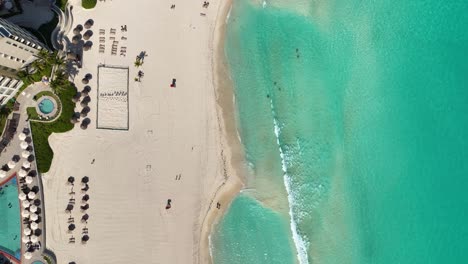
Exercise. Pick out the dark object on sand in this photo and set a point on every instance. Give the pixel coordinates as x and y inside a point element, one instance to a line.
<point>168,205</point>
<point>173,85</point>
<point>71,179</point>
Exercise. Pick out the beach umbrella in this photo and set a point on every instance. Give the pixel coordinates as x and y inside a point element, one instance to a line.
<point>85,179</point>
<point>87,34</point>
<point>25,213</point>
<point>27,231</point>
<point>22,173</point>
<point>22,136</point>
<point>34,225</point>
<point>29,180</point>
<point>26,164</point>
<point>71,179</point>
<point>3,174</point>
<point>85,238</point>
<point>34,239</point>
<point>28,255</point>
<point>85,217</point>
<point>22,196</point>
<point>33,217</point>
<point>24,145</point>
<point>25,239</point>
<point>26,204</point>
<point>25,154</point>
<point>11,164</point>
<point>85,207</point>
<point>85,197</point>
<point>71,227</point>
<point>33,208</point>
<point>89,23</point>
<point>31,195</point>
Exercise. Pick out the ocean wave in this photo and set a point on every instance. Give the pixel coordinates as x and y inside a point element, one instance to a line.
<point>299,241</point>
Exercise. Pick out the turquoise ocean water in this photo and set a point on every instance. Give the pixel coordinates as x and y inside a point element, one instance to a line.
<point>10,228</point>
<point>354,116</point>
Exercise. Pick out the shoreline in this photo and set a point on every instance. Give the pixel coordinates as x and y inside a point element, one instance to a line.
<point>232,153</point>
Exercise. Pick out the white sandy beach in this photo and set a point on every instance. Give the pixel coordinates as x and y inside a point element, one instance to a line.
<point>171,131</point>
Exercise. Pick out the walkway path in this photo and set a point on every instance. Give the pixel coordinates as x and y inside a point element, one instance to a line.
<point>26,100</point>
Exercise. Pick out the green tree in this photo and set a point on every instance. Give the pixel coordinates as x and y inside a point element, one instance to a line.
<point>59,82</point>
<point>43,56</point>
<point>26,75</point>
<point>38,64</point>
<point>138,62</point>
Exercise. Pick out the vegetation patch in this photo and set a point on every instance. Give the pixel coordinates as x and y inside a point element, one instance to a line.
<point>88,4</point>
<point>41,130</point>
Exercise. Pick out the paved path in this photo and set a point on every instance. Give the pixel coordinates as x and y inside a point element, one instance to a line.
<point>26,100</point>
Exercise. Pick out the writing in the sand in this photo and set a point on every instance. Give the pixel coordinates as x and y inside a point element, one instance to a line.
<point>114,96</point>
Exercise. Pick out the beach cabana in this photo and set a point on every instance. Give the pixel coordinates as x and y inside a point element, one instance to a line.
<point>27,231</point>
<point>22,136</point>
<point>34,226</point>
<point>33,208</point>
<point>25,204</point>
<point>25,213</point>
<point>29,179</point>
<point>24,145</point>
<point>22,196</point>
<point>34,239</point>
<point>11,164</point>
<point>31,195</point>
<point>26,164</point>
<point>28,255</point>
<point>22,173</point>
<point>25,239</point>
<point>3,174</point>
<point>33,217</point>
<point>25,154</point>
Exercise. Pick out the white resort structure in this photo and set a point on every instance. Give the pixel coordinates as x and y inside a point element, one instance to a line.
<point>18,48</point>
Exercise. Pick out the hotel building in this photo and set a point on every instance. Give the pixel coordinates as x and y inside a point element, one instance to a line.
<point>18,48</point>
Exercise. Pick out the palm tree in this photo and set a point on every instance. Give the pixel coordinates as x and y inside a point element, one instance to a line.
<point>26,75</point>
<point>38,64</point>
<point>138,62</point>
<point>43,55</point>
<point>59,82</point>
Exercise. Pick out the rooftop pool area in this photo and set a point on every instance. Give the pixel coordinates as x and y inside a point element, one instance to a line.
<point>10,228</point>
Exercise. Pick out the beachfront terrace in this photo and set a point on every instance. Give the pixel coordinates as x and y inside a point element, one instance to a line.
<point>18,161</point>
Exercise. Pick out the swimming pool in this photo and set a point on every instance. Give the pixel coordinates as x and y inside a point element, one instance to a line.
<point>46,106</point>
<point>10,228</point>
<point>37,262</point>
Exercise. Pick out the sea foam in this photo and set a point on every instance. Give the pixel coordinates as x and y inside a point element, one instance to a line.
<point>300,243</point>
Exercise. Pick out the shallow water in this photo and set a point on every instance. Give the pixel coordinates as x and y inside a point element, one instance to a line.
<point>353,115</point>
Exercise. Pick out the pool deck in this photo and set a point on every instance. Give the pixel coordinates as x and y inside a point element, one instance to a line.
<point>26,100</point>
